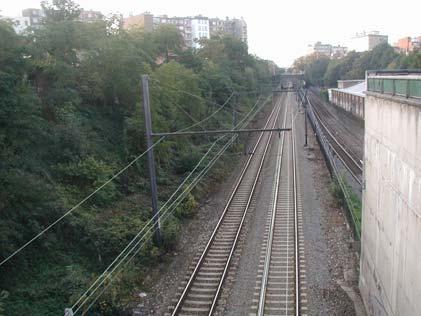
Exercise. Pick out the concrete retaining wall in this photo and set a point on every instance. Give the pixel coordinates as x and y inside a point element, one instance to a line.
<point>390,279</point>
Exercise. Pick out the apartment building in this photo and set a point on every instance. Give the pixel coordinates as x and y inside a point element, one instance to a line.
<point>191,28</point>
<point>34,16</point>
<point>237,28</point>
<point>89,16</point>
<point>327,50</point>
<point>408,44</point>
<point>365,41</point>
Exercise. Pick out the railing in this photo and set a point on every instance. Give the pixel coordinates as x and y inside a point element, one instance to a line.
<point>404,83</point>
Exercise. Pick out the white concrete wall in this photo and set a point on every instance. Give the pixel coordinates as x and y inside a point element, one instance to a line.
<point>390,279</point>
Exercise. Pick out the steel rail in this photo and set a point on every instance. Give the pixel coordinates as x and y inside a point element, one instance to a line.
<point>265,275</point>
<point>296,233</point>
<point>327,149</point>
<point>242,221</point>
<point>180,301</point>
<point>177,201</point>
<point>223,131</point>
<point>350,153</point>
<point>347,154</point>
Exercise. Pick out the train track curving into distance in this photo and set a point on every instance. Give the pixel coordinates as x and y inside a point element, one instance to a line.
<point>349,159</point>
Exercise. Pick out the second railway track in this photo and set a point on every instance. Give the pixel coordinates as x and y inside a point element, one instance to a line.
<point>199,295</point>
<point>281,286</point>
<point>349,159</point>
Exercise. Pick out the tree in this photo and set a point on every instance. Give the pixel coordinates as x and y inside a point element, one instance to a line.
<point>168,38</point>
<point>314,72</point>
<point>60,10</point>
<point>70,118</point>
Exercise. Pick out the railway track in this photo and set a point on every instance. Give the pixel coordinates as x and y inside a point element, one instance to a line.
<point>338,125</point>
<point>349,159</point>
<point>280,285</point>
<point>200,293</point>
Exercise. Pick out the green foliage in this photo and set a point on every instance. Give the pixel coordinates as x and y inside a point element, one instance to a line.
<point>322,71</point>
<point>353,203</point>
<point>3,297</point>
<point>325,95</point>
<point>187,208</point>
<point>315,71</point>
<point>70,118</point>
<point>60,10</point>
<point>410,61</point>
<point>170,230</point>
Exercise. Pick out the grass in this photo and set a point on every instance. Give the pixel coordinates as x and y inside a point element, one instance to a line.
<point>353,203</point>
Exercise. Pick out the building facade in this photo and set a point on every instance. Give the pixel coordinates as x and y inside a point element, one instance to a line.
<point>237,28</point>
<point>191,28</point>
<point>327,50</point>
<point>365,41</point>
<point>89,16</point>
<point>199,30</point>
<point>35,16</point>
<point>20,23</point>
<point>390,269</point>
<point>350,96</point>
<point>338,51</point>
<point>320,49</point>
<point>408,44</point>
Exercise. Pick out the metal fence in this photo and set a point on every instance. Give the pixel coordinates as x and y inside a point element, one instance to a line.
<point>405,83</point>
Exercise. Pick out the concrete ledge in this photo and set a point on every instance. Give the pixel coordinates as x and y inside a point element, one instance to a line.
<point>396,98</point>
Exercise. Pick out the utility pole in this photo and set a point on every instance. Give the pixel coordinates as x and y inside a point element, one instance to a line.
<point>234,113</point>
<point>305,118</point>
<point>151,161</point>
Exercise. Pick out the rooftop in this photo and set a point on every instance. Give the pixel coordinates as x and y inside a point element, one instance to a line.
<point>358,89</point>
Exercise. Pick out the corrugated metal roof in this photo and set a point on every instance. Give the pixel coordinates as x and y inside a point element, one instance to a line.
<point>358,89</point>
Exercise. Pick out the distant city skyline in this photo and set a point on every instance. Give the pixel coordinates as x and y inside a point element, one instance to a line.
<point>277,31</point>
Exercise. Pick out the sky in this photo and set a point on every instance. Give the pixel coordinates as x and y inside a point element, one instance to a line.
<point>277,30</point>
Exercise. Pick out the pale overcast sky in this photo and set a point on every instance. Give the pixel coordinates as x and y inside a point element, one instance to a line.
<point>277,30</point>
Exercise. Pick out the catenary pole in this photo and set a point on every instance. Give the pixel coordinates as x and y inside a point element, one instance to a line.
<point>151,161</point>
<point>305,118</point>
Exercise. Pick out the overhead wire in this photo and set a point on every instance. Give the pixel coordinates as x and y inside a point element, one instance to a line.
<point>142,230</point>
<point>68,212</point>
<point>179,198</point>
<point>166,214</point>
<point>172,87</point>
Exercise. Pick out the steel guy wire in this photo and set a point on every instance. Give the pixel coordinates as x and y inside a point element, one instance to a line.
<point>179,198</point>
<point>145,235</point>
<point>165,215</point>
<point>145,226</point>
<point>187,92</point>
<point>95,191</point>
<point>78,204</point>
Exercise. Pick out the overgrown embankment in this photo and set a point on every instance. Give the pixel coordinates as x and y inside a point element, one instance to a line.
<point>70,118</point>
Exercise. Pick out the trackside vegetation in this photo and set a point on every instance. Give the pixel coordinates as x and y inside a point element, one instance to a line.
<point>71,117</point>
